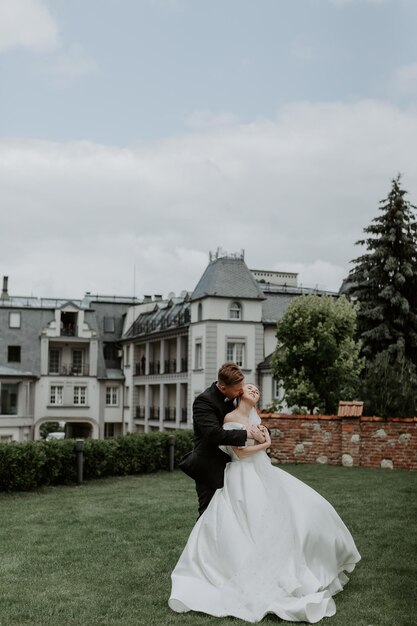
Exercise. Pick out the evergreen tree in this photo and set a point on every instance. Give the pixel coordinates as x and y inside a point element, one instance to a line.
<point>389,386</point>
<point>384,280</point>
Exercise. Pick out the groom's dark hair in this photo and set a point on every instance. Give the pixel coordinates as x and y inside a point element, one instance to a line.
<point>230,374</point>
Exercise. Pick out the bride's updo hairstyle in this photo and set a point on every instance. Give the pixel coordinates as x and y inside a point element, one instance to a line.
<point>230,374</point>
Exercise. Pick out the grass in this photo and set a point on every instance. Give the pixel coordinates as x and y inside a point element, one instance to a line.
<point>102,553</point>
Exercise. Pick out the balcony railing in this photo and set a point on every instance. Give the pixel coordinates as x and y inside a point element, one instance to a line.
<point>170,366</point>
<point>170,414</point>
<point>68,369</point>
<point>140,369</point>
<point>154,367</point>
<point>154,413</point>
<point>140,413</point>
<point>68,330</point>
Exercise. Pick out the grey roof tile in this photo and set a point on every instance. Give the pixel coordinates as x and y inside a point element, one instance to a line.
<point>9,371</point>
<point>227,277</point>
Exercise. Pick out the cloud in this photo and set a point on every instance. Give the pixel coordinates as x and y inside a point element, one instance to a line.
<point>319,274</point>
<point>27,24</point>
<point>294,192</point>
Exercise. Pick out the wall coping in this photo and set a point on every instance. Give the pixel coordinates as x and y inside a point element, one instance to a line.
<point>362,418</point>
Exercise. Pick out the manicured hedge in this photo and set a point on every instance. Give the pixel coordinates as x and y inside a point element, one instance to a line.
<point>29,465</point>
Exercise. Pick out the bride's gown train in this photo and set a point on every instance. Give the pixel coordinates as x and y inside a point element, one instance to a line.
<point>267,543</point>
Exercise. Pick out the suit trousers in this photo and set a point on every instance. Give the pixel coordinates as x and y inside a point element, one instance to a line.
<point>205,494</point>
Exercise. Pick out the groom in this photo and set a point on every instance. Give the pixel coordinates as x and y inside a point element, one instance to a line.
<point>206,462</point>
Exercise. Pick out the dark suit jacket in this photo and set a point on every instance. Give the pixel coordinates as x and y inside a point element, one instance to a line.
<point>206,462</point>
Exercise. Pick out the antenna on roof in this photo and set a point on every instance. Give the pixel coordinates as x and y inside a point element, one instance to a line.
<point>134,281</point>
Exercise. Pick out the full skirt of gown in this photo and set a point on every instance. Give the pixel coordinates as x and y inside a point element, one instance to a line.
<point>267,543</point>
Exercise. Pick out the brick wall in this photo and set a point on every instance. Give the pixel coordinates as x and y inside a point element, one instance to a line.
<point>339,440</point>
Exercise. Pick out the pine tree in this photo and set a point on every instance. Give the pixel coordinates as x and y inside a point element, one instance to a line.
<point>384,280</point>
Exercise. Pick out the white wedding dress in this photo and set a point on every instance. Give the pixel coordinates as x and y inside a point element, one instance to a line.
<point>267,543</point>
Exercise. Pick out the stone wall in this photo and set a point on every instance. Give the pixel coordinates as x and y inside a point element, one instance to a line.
<point>339,440</point>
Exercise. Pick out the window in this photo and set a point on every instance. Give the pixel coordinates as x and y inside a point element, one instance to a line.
<point>279,391</point>
<point>108,430</point>
<point>112,396</point>
<point>14,320</point>
<point>236,352</point>
<point>6,438</point>
<point>108,324</point>
<point>199,312</point>
<point>13,354</point>
<point>198,355</point>
<point>110,351</point>
<point>54,360</point>
<point>80,395</point>
<point>235,311</point>
<point>127,356</point>
<point>77,361</point>
<point>9,398</point>
<point>56,396</point>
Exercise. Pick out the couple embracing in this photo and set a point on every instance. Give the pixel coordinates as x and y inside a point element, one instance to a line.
<point>264,541</point>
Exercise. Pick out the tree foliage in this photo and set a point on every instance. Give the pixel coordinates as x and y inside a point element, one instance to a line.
<point>49,427</point>
<point>317,356</point>
<point>384,280</point>
<point>390,383</point>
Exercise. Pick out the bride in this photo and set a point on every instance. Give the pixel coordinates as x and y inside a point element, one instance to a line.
<point>267,543</point>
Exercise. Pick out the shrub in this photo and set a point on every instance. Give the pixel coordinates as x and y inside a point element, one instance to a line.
<point>29,465</point>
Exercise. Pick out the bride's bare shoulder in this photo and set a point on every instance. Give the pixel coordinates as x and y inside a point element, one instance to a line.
<point>232,417</point>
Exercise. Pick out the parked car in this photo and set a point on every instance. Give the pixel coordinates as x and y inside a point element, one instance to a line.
<point>58,435</point>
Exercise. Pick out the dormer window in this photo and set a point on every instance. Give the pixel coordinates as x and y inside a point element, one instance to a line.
<point>235,311</point>
<point>108,325</point>
<point>68,323</point>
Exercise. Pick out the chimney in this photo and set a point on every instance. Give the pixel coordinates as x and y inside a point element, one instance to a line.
<point>4,293</point>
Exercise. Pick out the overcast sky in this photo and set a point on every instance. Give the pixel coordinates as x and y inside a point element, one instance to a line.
<point>138,135</point>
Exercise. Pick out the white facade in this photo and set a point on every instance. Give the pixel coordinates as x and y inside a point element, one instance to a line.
<point>106,366</point>
<point>69,382</point>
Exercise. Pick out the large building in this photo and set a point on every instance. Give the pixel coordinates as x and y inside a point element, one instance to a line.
<point>105,365</point>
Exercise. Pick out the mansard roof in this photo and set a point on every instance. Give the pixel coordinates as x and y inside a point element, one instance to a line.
<point>167,315</point>
<point>15,373</point>
<point>228,277</point>
<point>278,298</point>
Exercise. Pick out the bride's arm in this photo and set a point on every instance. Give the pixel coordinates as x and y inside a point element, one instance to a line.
<point>249,450</point>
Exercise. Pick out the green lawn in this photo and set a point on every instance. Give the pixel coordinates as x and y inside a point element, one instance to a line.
<point>102,553</point>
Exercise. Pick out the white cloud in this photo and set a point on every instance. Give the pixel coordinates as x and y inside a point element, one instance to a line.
<point>296,190</point>
<point>318,275</point>
<point>27,24</point>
